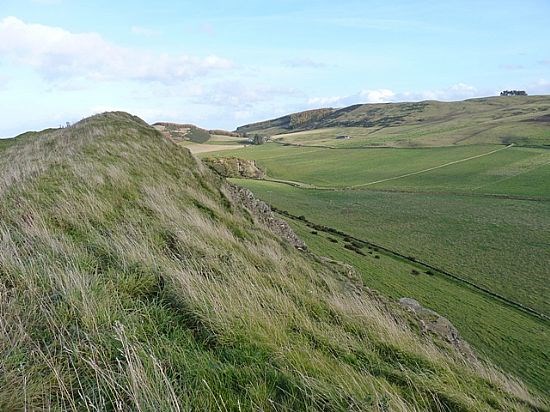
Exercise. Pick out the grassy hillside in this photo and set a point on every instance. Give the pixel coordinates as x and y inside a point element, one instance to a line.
<point>295,121</point>
<point>522,120</point>
<point>515,340</point>
<point>131,279</point>
<point>479,211</point>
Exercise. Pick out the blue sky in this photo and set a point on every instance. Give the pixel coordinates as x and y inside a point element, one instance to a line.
<point>221,64</point>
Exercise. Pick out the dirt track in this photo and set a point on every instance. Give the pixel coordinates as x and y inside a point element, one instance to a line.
<point>205,148</point>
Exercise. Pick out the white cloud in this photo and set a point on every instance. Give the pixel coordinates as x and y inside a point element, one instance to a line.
<point>377,96</point>
<point>326,101</point>
<point>458,91</point>
<point>59,54</point>
<point>541,86</point>
<point>241,95</point>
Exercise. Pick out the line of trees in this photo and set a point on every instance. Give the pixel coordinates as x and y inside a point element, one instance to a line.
<point>513,93</point>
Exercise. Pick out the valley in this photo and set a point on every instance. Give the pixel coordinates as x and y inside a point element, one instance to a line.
<point>480,211</point>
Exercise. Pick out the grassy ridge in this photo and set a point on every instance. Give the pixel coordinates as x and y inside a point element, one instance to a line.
<point>129,278</point>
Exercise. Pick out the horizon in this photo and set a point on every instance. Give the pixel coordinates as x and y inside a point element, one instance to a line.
<point>221,65</point>
<point>266,119</point>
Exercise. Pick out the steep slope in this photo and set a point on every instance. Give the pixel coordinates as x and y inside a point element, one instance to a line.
<point>131,278</point>
<point>521,120</point>
<point>308,119</point>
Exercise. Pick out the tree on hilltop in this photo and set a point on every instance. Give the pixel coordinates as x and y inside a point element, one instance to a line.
<point>513,93</point>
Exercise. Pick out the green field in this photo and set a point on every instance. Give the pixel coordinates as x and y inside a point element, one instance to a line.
<point>484,217</point>
<point>514,340</point>
<point>481,212</point>
<point>501,244</point>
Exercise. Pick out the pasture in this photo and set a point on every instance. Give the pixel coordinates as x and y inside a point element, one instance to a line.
<point>479,211</point>
<point>515,341</point>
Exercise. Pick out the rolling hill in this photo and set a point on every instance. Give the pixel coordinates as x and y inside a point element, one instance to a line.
<point>522,120</point>
<point>461,187</point>
<point>134,278</point>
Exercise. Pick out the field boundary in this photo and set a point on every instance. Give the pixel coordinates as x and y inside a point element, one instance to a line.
<point>516,305</point>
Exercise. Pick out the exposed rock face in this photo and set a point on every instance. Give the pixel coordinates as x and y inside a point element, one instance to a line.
<point>263,212</point>
<point>431,321</point>
<point>235,167</point>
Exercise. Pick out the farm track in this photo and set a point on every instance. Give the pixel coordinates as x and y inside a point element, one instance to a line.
<point>303,185</point>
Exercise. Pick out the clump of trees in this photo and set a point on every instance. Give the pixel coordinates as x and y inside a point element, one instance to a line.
<point>513,93</point>
<point>258,139</point>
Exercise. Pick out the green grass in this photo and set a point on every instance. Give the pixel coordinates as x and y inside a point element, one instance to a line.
<point>488,216</point>
<point>516,341</point>
<point>485,219</point>
<point>501,244</point>
<point>502,172</point>
<point>130,278</point>
<point>4,143</point>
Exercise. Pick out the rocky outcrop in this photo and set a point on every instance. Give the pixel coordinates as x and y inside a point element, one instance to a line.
<point>432,322</point>
<point>262,212</point>
<point>235,167</point>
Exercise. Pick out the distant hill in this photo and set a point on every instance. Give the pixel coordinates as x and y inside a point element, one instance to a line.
<point>297,121</point>
<point>181,132</point>
<point>523,120</point>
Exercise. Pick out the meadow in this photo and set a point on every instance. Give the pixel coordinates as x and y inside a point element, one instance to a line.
<point>479,169</point>
<point>515,341</point>
<point>478,211</point>
<point>483,214</point>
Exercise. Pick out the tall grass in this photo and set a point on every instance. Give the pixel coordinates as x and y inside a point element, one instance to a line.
<point>130,280</point>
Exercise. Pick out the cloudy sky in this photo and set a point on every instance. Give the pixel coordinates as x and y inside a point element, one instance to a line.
<point>221,64</point>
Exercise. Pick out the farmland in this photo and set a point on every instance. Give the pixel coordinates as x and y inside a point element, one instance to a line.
<point>478,208</point>
<point>515,341</point>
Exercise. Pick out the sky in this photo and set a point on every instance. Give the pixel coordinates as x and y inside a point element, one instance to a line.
<point>221,64</point>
